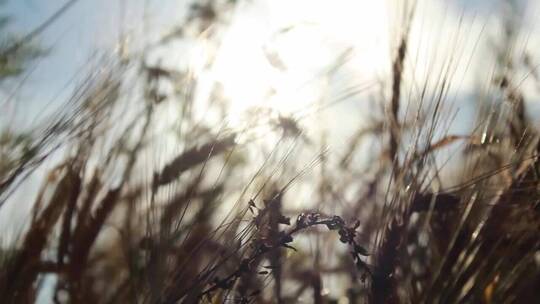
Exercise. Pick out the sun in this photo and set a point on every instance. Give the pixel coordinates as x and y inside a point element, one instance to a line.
<point>281,54</point>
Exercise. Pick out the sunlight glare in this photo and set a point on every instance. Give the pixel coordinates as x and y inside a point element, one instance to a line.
<point>277,54</point>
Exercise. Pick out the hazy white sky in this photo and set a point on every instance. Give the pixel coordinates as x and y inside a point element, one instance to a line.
<point>330,26</point>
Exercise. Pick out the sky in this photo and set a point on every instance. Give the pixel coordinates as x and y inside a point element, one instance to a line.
<point>89,26</point>
<point>92,25</point>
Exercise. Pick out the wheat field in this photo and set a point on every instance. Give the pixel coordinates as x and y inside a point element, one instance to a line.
<point>277,152</point>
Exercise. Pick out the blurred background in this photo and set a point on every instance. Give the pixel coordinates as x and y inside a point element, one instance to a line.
<point>170,142</point>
